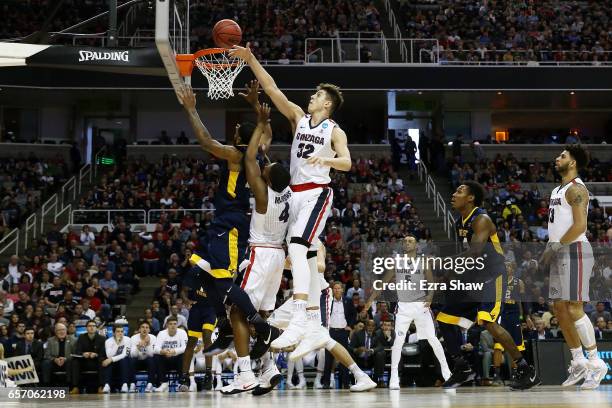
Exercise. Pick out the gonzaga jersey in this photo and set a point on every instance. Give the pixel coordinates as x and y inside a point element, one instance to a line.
<point>311,142</point>
<point>271,227</point>
<point>560,216</point>
<point>414,274</point>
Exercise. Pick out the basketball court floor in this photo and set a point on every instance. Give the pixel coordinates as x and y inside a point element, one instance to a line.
<point>481,397</point>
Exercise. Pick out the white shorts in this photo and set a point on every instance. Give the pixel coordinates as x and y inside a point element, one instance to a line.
<point>261,274</point>
<point>570,272</point>
<point>417,312</point>
<point>308,213</point>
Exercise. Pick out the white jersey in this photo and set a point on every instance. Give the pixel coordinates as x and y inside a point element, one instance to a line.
<point>142,352</point>
<point>164,341</point>
<point>311,142</point>
<point>414,273</point>
<point>270,228</point>
<point>560,217</point>
<point>116,351</point>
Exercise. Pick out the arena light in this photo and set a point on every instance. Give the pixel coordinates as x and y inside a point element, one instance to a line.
<point>502,136</point>
<point>106,161</point>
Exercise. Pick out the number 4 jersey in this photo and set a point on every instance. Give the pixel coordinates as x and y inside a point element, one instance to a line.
<point>270,228</point>
<point>310,142</point>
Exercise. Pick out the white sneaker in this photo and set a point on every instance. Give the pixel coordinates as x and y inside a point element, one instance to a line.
<point>124,388</point>
<point>317,383</point>
<point>219,384</point>
<point>332,382</point>
<point>193,387</point>
<point>268,380</point>
<point>302,384</point>
<point>596,371</point>
<point>133,387</point>
<point>149,387</point>
<point>364,383</point>
<point>244,381</point>
<point>577,371</point>
<point>162,388</point>
<point>294,333</point>
<point>106,389</point>
<point>290,385</point>
<point>318,336</point>
<point>394,383</point>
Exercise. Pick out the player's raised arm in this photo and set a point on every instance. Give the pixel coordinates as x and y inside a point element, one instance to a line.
<point>212,146</point>
<point>252,98</point>
<point>577,197</point>
<point>342,161</point>
<point>289,109</point>
<point>251,166</point>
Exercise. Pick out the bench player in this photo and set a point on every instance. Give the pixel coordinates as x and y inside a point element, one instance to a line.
<point>318,146</point>
<point>571,258</point>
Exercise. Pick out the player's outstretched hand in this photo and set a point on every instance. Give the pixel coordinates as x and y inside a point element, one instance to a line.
<point>320,161</point>
<point>241,52</point>
<point>187,97</point>
<point>263,113</point>
<point>252,94</point>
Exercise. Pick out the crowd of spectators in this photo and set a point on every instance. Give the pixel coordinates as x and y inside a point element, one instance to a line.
<point>277,29</point>
<point>508,30</point>
<point>24,184</point>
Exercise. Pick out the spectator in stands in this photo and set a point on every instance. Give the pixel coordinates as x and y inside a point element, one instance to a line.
<point>3,320</point>
<point>54,295</point>
<point>117,363</point>
<point>30,346</point>
<point>13,269</point>
<point>90,349</point>
<point>366,352</point>
<point>154,324</point>
<point>486,346</point>
<point>356,289</point>
<point>174,314</point>
<point>540,332</point>
<point>150,259</point>
<point>58,355</point>
<point>87,310</point>
<point>7,304</point>
<point>55,266</point>
<point>87,237</point>
<point>382,313</point>
<point>169,347</point>
<point>601,327</point>
<point>143,354</point>
<point>542,231</point>
<point>110,287</point>
<point>600,311</point>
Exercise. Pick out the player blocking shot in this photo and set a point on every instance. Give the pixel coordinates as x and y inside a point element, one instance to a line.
<point>318,146</point>
<point>261,272</point>
<point>570,256</point>
<point>412,306</point>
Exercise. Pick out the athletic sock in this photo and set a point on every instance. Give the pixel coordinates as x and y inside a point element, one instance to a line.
<point>355,370</point>
<point>577,353</point>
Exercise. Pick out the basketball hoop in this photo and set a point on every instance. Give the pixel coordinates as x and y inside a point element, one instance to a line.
<point>217,66</point>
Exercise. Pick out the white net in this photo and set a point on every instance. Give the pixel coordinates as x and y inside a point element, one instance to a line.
<point>220,70</point>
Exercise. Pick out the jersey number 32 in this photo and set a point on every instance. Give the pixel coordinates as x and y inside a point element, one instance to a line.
<point>305,150</point>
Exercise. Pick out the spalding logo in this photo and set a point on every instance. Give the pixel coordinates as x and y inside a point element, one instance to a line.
<point>104,56</point>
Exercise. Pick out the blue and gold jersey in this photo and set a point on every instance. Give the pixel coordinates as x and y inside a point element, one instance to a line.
<point>492,252</point>
<point>512,298</point>
<point>195,291</point>
<point>233,193</point>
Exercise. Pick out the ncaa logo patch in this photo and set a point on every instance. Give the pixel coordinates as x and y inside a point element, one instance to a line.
<point>325,125</point>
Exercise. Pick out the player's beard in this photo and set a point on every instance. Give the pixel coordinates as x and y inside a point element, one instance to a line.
<point>562,169</point>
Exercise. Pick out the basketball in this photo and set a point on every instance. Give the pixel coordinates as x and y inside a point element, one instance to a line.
<point>226,33</point>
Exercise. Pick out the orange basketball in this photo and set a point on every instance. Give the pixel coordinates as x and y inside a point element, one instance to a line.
<point>226,33</point>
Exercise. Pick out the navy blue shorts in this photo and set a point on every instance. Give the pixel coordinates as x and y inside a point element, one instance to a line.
<point>511,321</point>
<point>225,244</point>
<point>202,317</point>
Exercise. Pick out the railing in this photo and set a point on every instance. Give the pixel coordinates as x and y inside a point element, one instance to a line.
<point>50,205</point>
<point>107,217</point>
<point>154,215</point>
<point>85,172</point>
<point>96,163</point>
<point>71,185</point>
<point>30,229</point>
<point>397,32</point>
<point>439,204</point>
<point>8,241</point>
<point>341,50</point>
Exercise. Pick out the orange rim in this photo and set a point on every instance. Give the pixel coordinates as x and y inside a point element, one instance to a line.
<point>212,65</point>
<point>185,64</point>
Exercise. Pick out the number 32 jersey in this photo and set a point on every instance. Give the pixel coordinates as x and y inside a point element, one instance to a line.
<point>310,142</point>
<point>270,228</point>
